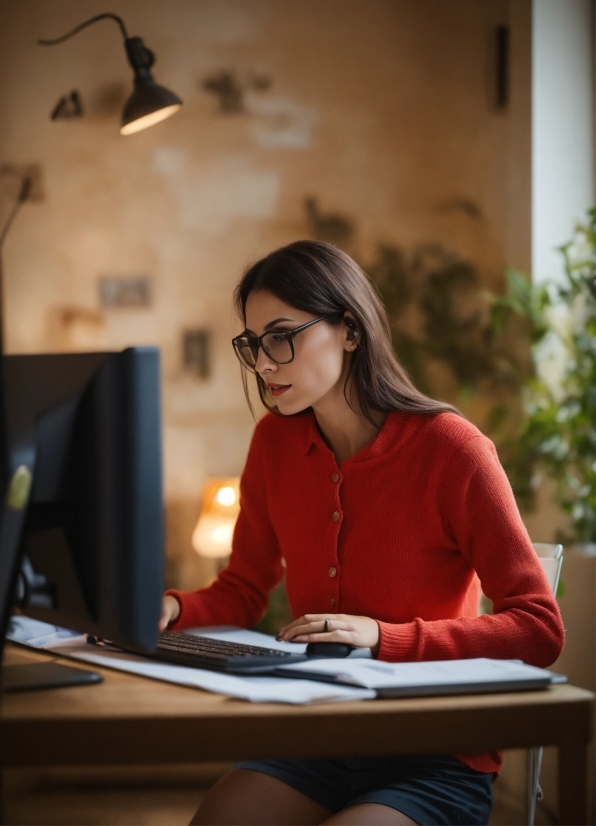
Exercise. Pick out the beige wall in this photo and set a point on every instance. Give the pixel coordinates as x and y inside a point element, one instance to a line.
<point>382,109</point>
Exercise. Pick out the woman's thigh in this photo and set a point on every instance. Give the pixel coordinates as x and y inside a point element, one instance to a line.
<point>370,814</point>
<point>243,797</point>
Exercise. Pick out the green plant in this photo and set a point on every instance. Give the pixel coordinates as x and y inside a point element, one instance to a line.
<point>441,318</point>
<point>558,434</point>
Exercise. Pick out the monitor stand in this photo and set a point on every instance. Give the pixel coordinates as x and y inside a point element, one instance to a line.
<point>34,676</point>
<point>25,676</point>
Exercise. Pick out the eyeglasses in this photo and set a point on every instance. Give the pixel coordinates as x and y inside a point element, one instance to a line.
<point>277,344</point>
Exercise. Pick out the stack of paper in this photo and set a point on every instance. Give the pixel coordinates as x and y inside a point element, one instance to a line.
<point>419,679</point>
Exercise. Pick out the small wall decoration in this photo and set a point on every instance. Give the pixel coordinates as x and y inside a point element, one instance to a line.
<point>131,292</point>
<point>230,90</point>
<point>69,106</point>
<point>502,66</point>
<point>196,349</point>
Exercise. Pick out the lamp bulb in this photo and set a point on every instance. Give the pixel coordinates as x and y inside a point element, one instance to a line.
<point>226,496</point>
<point>222,535</point>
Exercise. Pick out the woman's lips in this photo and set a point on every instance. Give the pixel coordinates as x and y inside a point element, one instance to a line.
<point>278,389</point>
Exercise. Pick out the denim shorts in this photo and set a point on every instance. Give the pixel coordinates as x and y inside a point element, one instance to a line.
<point>429,789</point>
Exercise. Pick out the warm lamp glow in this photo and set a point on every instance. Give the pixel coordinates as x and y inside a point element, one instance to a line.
<point>220,507</point>
<point>149,120</point>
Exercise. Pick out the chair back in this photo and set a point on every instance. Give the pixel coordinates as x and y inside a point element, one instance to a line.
<point>550,557</point>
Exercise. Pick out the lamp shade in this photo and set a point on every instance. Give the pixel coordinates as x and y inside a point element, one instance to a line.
<point>220,507</point>
<point>148,104</point>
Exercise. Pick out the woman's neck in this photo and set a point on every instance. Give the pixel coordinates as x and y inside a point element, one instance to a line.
<point>345,430</point>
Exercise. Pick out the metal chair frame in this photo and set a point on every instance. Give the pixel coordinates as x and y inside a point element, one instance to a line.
<point>551,559</point>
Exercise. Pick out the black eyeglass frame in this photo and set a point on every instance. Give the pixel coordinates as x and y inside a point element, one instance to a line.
<point>287,334</point>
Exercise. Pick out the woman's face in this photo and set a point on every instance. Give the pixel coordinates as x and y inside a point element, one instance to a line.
<point>321,355</point>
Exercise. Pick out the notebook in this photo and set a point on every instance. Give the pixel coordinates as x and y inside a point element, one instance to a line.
<point>419,679</point>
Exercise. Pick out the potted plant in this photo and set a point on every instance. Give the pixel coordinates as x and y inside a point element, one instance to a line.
<point>558,433</point>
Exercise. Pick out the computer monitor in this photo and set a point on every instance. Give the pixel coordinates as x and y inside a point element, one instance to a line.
<point>81,524</point>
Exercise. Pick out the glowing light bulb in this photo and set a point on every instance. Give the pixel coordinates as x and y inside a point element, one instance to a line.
<point>226,496</point>
<point>222,535</point>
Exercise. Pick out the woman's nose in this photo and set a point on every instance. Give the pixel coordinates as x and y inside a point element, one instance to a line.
<point>264,363</point>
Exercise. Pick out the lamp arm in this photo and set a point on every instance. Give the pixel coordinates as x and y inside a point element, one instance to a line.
<point>22,197</point>
<point>105,16</point>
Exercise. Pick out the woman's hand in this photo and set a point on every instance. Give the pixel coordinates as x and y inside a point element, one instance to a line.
<point>362,632</point>
<point>170,611</point>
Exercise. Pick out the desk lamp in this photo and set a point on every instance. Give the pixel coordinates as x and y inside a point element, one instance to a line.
<point>220,507</point>
<point>149,103</point>
<point>23,195</point>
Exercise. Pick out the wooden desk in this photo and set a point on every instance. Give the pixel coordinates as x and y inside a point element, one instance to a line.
<point>131,720</point>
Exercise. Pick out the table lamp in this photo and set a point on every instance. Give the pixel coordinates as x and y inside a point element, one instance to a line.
<point>220,507</point>
<point>149,103</point>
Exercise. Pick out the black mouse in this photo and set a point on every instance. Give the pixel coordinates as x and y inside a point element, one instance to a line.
<point>328,649</point>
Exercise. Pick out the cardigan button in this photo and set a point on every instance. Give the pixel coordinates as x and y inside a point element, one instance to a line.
<point>335,477</point>
<point>332,603</point>
<point>335,516</point>
<point>332,571</point>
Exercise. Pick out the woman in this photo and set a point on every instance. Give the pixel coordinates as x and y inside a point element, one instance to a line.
<point>389,510</point>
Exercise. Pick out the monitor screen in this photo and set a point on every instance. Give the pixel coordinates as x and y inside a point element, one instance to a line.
<point>81,527</point>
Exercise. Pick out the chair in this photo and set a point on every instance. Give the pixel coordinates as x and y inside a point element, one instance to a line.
<point>551,559</point>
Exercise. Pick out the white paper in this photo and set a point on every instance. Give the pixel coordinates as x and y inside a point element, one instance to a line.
<point>231,633</point>
<point>378,675</point>
<point>256,689</point>
<point>35,633</point>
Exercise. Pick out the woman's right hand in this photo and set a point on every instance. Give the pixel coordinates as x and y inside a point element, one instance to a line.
<point>170,611</point>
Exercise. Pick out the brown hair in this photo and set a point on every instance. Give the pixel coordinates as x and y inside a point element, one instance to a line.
<point>320,279</point>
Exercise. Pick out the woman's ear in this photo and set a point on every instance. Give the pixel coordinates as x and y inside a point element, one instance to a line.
<point>352,331</point>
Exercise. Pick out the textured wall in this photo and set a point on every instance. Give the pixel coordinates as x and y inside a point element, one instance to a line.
<point>383,110</point>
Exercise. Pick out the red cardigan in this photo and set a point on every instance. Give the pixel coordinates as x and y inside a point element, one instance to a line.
<point>404,531</point>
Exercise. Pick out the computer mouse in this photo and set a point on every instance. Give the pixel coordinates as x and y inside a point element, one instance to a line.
<point>328,649</point>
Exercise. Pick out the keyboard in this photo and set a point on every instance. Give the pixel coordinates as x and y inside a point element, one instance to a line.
<point>217,655</point>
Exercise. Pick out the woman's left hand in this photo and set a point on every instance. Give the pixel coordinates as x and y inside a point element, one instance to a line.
<point>361,632</point>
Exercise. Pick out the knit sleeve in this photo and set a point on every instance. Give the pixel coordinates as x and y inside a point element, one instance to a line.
<point>480,514</point>
<point>240,594</point>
